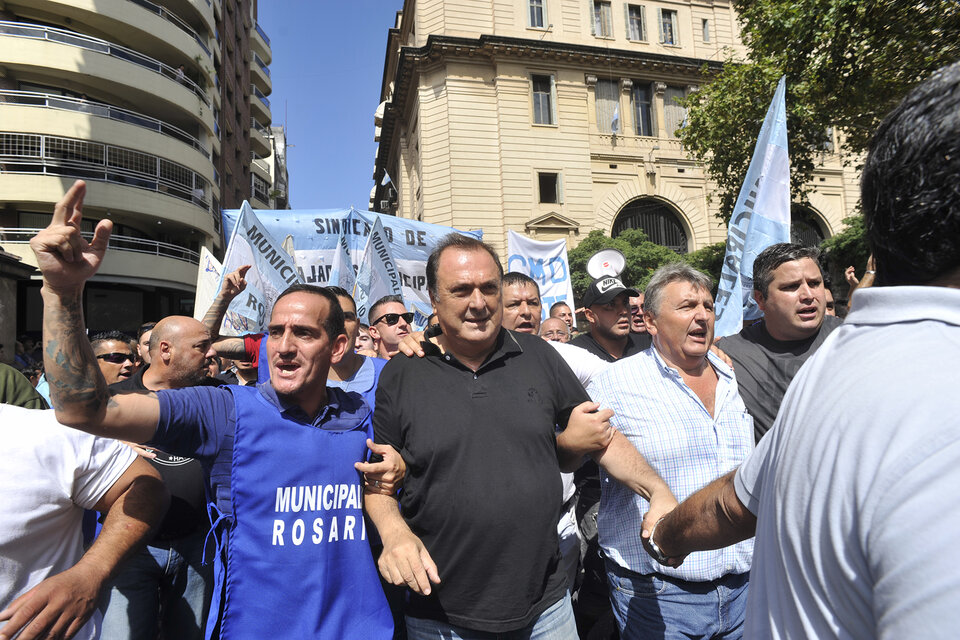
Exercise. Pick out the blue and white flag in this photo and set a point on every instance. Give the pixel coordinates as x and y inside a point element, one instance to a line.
<point>615,123</point>
<point>272,271</point>
<point>545,262</point>
<point>760,218</point>
<point>378,275</point>
<point>209,277</point>
<point>343,274</point>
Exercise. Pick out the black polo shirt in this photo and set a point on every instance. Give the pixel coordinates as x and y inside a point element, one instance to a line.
<point>636,342</point>
<point>482,489</point>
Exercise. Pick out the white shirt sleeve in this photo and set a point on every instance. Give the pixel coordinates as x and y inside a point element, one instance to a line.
<point>585,365</point>
<point>99,464</point>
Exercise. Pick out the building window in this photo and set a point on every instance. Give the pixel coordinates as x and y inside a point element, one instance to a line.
<point>674,115</point>
<point>705,25</point>
<point>602,19</point>
<point>636,22</point>
<point>669,32</point>
<point>537,14</point>
<point>543,100</point>
<point>642,109</point>
<point>655,218</point>
<point>607,98</point>
<point>551,188</point>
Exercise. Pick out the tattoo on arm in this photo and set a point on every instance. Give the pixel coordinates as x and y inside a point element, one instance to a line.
<point>76,384</point>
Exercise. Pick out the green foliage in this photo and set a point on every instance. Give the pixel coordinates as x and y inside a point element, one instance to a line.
<point>709,260</point>
<point>643,258</point>
<point>847,62</point>
<point>849,247</point>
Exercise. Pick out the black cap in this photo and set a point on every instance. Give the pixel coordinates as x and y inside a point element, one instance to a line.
<point>605,290</point>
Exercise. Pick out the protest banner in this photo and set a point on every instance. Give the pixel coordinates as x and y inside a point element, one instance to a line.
<point>377,276</point>
<point>209,277</point>
<point>272,271</point>
<point>316,235</point>
<point>761,217</point>
<point>545,262</point>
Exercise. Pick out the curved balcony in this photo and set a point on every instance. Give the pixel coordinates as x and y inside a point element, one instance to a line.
<point>131,260</point>
<point>104,65</point>
<point>260,43</point>
<point>101,110</point>
<point>259,106</point>
<point>260,74</point>
<point>260,138</point>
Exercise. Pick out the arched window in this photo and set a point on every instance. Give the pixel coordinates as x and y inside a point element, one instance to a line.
<point>805,226</point>
<point>656,218</point>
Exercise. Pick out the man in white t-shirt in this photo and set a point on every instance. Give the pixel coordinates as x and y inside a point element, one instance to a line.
<point>50,475</point>
<point>852,493</point>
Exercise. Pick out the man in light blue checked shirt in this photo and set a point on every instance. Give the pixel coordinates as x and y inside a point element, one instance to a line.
<point>678,405</point>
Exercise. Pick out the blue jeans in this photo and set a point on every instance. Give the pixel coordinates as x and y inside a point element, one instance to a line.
<point>556,623</point>
<point>649,607</point>
<point>162,589</point>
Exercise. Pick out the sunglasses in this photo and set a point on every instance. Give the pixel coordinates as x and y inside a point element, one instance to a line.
<point>393,318</point>
<point>116,357</point>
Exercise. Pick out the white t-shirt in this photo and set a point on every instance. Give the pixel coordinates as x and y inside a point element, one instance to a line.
<point>855,486</point>
<point>50,474</point>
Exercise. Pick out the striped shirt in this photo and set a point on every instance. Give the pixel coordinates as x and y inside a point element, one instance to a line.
<point>667,423</point>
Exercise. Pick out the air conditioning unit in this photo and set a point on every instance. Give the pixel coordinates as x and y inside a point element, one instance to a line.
<point>384,205</point>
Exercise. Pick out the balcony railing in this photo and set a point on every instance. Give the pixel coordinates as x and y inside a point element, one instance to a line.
<point>176,20</point>
<point>259,162</point>
<point>35,154</point>
<point>37,32</point>
<point>259,94</point>
<point>259,127</point>
<point>262,34</point>
<point>68,103</point>
<point>119,243</point>
<point>261,63</point>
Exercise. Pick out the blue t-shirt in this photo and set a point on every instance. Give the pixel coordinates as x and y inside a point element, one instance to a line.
<point>199,422</point>
<point>364,381</point>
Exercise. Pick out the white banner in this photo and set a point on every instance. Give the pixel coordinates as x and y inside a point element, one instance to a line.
<point>209,276</point>
<point>545,262</point>
<point>378,275</point>
<point>272,271</point>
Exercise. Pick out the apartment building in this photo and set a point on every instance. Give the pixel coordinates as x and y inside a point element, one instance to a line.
<point>557,117</point>
<point>162,107</point>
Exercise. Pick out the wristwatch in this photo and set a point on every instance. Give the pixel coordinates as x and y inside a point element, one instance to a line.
<point>654,550</point>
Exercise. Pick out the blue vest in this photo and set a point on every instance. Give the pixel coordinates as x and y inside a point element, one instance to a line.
<point>298,563</point>
<point>263,364</point>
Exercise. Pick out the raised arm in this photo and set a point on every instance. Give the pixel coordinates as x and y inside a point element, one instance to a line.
<point>233,284</point>
<point>60,605</point>
<point>78,391</point>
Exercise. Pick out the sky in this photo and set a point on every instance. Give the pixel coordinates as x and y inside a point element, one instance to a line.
<point>326,71</point>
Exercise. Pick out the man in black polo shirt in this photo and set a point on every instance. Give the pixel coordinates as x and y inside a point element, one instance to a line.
<point>475,422</point>
<point>607,308</point>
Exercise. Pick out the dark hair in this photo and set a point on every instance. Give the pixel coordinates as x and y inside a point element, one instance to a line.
<point>774,256</point>
<point>144,328</point>
<point>557,305</point>
<point>333,323</point>
<point>909,192</point>
<point>338,291</point>
<point>371,315</point>
<point>458,241</point>
<point>512,278</point>
<point>105,336</point>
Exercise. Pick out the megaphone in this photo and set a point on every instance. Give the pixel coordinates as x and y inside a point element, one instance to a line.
<point>606,263</point>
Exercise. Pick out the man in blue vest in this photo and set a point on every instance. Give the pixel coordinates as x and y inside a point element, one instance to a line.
<point>294,559</point>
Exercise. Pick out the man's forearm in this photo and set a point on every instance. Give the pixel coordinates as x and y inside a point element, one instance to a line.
<point>385,514</point>
<point>213,318</point>
<point>78,391</point>
<point>711,518</point>
<point>624,463</point>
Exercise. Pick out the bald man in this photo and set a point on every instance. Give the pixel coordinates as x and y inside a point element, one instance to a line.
<point>555,330</point>
<point>165,586</point>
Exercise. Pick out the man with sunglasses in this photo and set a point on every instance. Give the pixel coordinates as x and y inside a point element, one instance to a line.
<point>389,323</point>
<point>115,356</point>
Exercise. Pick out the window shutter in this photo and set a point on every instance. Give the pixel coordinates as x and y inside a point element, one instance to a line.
<point>660,23</point>
<point>643,22</point>
<point>593,18</point>
<point>626,18</point>
<point>559,187</point>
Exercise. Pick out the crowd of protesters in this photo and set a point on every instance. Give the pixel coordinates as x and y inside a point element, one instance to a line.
<point>501,474</point>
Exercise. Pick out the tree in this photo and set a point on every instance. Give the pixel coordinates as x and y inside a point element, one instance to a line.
<point>643,257</point>
<point>849,247</point>
<point>847,63</point>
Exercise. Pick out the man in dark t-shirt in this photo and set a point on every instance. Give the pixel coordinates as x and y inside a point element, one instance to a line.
<point>788,288</point>
<point>166,586</point>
